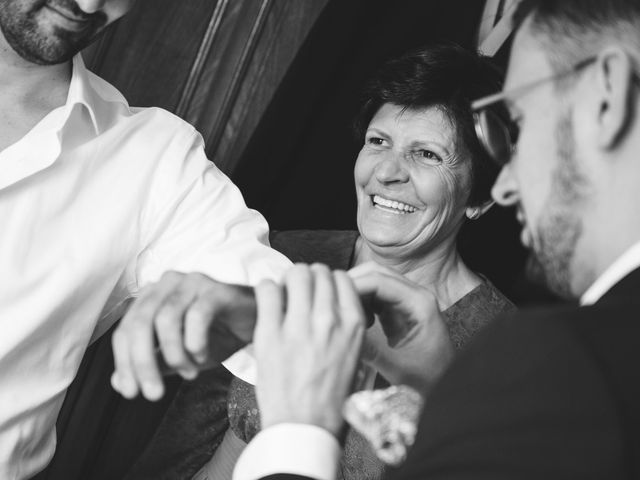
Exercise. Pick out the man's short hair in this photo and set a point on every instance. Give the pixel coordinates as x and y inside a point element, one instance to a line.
<point>571,30</point>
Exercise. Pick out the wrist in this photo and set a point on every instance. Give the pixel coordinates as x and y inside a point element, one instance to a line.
<point>333,425</point>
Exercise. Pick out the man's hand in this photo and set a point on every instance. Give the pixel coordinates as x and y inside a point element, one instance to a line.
<point>411,344</point>
<point>185,322</point>
<point>307,344</point>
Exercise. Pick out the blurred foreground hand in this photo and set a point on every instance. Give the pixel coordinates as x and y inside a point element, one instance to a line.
<point>307,345</point>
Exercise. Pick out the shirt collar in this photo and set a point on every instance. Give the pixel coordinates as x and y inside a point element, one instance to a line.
<point>625,264</point>
<point>82,93</point>
<point>95,95</point>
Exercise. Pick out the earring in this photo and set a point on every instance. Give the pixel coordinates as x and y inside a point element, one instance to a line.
<point>473,213</point>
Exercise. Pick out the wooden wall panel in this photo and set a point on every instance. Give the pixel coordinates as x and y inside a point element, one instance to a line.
<point>228,115</point>
<point>217,64</point>
<point>149,53</point>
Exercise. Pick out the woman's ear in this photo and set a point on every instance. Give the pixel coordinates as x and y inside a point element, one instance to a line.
<point>614,83</point>
<point>473,213</point>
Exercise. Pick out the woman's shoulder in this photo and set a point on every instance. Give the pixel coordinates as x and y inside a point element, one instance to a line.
<point>475,310</point>
<point>488,294</point>
<point>485,300</point>
<point>331,247</point>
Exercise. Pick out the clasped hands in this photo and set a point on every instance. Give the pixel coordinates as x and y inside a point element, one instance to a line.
<point>310,334</point>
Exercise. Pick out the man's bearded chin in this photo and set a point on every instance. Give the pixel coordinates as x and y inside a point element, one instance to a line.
<point>46,45</point>
<point>560,227</point>
<point>550,262</point>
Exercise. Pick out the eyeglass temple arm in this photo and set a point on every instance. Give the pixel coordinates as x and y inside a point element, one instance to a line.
<point>496,97</point>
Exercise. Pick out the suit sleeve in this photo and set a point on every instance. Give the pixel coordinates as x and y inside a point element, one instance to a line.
<point>525,401</point>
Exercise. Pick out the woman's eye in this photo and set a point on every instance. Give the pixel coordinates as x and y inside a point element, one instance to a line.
<point>427,155</point>
<point>375,141</point>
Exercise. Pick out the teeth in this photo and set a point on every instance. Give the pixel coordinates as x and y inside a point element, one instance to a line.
<point>403,207</point>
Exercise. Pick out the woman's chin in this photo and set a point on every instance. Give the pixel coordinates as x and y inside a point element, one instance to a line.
<point>389,241</point>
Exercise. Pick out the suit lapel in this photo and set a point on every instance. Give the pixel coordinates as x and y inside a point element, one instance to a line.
<point>628,287</point>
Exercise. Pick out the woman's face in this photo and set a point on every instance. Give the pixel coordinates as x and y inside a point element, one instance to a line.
<point>413,178</point>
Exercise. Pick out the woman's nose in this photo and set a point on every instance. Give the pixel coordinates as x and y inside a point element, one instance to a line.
<point>392,169</point>
<point>505,188</point>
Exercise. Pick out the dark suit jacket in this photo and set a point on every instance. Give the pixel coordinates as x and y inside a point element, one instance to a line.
<point>545,394</point>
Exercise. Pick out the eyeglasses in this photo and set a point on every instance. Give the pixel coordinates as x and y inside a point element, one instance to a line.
<point>496,130</point>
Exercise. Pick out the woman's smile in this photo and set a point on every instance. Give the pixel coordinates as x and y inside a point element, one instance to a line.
<point>392,206</point>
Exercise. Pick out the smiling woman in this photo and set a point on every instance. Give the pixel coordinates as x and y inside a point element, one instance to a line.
<point>412,182</point>
<point>421,171</point>
<point>419,176</point>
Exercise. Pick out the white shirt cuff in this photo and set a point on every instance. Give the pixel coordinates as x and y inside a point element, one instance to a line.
<point>243,364</point>
<point>292,448</point>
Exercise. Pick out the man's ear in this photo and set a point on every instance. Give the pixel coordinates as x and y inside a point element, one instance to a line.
<point>614,77</point>
<point>473,213</point>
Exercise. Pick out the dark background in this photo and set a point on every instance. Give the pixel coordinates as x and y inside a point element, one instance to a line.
<point>297,167</point>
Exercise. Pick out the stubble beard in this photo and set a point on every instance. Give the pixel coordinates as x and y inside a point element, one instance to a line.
<point>29,39</point>
<point>560,227</point>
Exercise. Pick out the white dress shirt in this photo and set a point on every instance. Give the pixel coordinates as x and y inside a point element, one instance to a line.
<point>624,265</point>
<point>96,201</point>
<point>262,458</point>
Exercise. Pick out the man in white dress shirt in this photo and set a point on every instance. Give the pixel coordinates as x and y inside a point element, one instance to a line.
<point>551,393</point>
<point>99,200</point>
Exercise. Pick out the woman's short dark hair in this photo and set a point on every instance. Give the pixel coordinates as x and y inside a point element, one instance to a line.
<point>445,76</point>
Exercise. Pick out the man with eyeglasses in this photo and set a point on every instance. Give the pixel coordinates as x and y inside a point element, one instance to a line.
<point>553,393</point>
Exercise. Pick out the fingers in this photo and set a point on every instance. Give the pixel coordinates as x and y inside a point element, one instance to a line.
<point>319,301</point>
<point>351,309</point>
<point>324,290</point>
<point>178,311</point>
<point>133,344</point>
<point>197,322</point>
<point>405,303</point>
<point>122,379</point>
<point>270,306</point>
<point>169,333</point>
<point>307,352</point>
<point>324,306</point>
<point>299,286</point>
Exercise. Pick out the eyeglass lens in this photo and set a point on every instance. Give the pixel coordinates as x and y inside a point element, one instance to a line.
<point>494,134</point>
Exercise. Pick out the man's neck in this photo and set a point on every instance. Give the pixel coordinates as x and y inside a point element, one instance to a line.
<point>28,92</point>
<point>610,228</point>
<point>27,82</point>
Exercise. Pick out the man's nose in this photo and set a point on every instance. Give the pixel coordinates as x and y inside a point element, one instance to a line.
<point>91,6</point>
<point>391,169</point>
<point>505,189</point>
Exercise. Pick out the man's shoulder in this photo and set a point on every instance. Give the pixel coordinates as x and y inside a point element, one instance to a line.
<point>543,330</point>
<point>534,391</point>
<point>160,122</point>
<point>572,319</point>
<point>558,348</point>
<point>112,105</point>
